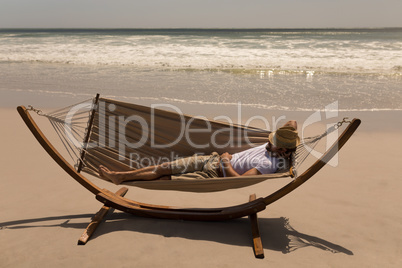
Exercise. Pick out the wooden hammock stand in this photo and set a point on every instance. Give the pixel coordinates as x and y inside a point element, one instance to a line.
<point>117,200</point>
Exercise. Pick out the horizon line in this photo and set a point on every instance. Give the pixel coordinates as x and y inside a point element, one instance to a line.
<point>198,28</point>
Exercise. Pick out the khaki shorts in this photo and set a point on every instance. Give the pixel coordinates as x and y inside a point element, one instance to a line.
<point>196,167</point>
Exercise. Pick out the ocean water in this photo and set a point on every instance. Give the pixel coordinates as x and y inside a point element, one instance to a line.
<point>282,69</point>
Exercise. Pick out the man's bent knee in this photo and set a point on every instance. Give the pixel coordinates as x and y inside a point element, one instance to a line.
<point>164,169</point>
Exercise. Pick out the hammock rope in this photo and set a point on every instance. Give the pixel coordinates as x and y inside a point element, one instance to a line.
<point>309,143</point>
<point>77,126</point>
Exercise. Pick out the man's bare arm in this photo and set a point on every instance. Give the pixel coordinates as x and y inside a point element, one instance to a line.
<point>230,172</point>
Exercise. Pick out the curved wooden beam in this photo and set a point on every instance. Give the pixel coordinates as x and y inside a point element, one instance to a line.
<point>200,214</point>
<point>325,158</point>
<point>192,214</point>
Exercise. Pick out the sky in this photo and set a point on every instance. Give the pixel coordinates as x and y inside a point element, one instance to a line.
<point>200,13</point>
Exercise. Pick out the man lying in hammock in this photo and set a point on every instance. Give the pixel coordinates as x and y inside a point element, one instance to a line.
<point>263,159</point>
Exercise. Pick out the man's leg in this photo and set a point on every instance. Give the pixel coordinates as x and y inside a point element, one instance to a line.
<point>163,171</point>
<point>143,174</point>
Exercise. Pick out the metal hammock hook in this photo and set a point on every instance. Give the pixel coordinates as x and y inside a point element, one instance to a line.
<point>31,108</point>
<point>340,123</point>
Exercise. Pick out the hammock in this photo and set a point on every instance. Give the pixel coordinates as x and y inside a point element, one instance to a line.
<point>99,123</point>
<point>123,136</point>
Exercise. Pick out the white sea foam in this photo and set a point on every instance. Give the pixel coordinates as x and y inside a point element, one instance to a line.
<point>339,52</point>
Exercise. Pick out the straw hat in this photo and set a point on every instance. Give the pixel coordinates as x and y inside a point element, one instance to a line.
<point>284,137</point>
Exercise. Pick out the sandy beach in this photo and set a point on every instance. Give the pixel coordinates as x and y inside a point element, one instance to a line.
<point>347,216</point>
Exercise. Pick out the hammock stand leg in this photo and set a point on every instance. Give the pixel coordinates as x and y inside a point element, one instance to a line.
<point>97,219</point>
<point>255,231</point>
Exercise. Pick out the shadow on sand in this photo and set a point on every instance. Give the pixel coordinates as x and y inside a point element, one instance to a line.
<point>276,233</point>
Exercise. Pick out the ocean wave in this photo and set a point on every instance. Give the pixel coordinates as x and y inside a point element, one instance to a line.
<point>305,51</point>
<point>261,71</point>
<point>159,100</point>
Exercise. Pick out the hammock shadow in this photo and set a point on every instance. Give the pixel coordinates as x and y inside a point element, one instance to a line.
<point>276,233</point>
<point>30,223</point>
